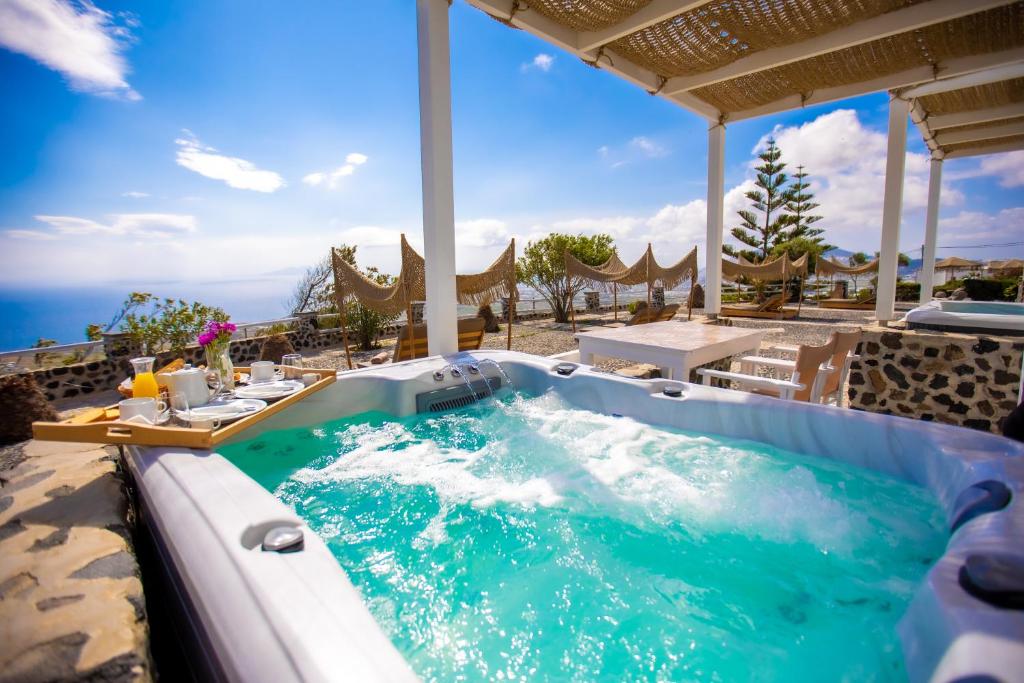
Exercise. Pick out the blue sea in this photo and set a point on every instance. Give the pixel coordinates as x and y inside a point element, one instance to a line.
<point>62,314</point>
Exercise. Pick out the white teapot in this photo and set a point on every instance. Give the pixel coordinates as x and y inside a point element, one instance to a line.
<point>192,382</point>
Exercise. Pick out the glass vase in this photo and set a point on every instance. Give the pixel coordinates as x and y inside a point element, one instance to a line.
<point>218,360</point>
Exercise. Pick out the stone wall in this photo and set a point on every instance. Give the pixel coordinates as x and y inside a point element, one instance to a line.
<point>960,379</point>
<point>82,379</point>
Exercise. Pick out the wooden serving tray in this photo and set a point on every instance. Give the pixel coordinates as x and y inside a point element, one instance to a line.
<point>101,425</point>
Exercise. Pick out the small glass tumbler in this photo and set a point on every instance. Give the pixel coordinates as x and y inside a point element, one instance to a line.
<point>291,366</point>
<point>180,412</point>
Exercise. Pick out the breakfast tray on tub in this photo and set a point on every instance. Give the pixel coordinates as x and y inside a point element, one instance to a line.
<point>101,425</point>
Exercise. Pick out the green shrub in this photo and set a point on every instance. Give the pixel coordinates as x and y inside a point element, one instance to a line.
<point>171,324</point>
<point>988,289</point>
<point>908,291</point>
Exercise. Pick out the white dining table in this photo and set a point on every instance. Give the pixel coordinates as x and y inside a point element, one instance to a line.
<point>675,347</point>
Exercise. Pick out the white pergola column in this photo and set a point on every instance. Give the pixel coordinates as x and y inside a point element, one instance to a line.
<point>716,217</point>
<point>436,163</point>
<point>892,205</point>
<point>931,230</point>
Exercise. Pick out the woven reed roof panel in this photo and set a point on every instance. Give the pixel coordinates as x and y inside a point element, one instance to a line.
<point>587,15</point>
<point>997,94</point>
<point>983,144</point>
<point>983,126</point>
<point>985,32</point>
<point>721,32</point>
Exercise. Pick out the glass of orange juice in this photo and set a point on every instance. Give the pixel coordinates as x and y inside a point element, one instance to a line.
<point>144,384</point>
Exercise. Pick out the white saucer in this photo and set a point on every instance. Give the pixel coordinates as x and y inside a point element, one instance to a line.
<point>161,419</point>
<point>229,410</point>
<point>269,391</point>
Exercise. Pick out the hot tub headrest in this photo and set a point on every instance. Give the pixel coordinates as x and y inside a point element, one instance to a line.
<point>995,578</point>
<point>977,499</point>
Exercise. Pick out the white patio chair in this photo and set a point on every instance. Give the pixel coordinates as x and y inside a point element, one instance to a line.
<point>845,343</point>
<point>808,373</point>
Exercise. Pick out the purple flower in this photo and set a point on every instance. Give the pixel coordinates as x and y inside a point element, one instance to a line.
<point>217,332</point>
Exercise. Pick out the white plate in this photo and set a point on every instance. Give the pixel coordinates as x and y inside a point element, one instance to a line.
<point>268,391</point>
<point>247,378</point>
<point>229,410</point>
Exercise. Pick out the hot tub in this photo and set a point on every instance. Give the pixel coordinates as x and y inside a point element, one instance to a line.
<point>987,317</point>
<point>262,615</point>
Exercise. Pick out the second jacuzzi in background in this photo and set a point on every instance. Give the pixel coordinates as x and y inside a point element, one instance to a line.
<point>988,317</point>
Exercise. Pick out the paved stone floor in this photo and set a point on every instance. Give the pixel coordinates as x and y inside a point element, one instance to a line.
<point>71,602</point>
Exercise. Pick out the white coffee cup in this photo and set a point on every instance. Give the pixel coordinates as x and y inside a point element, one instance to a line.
<point>309,378</point>
<point>145,409</point>
<point>262,371</point>
<point>204,422</point>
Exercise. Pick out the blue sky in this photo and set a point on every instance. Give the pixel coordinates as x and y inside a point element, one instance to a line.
<point>153,144</point>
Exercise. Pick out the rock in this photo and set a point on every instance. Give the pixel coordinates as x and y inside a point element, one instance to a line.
<point>275,347</point>
<point>379,358</point>
<point>941,294</point>
<point>21,404</point>
<point>698,296</point>
<point>640,371</point>
<point>490,320</point>
<point>959,294</point>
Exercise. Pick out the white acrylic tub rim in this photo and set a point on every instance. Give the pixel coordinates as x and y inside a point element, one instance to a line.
<point>940,314</point>
<point>276,617</point>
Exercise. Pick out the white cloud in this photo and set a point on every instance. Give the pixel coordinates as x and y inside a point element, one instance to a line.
<point>135,195</point>
<point>1008,167</point>
<point>370,236</point>
<point>637,149</point>
<point>977,227</point>
<point>237,173</point>
<point>38,235</point>
<point>78,40</point>
<point>647,147</point>
<point>845,161</point>
<point>331,179</point>
<point>542,62</point>
<point>148,225</point>
<point>616,226</point>
<point>481,232</point>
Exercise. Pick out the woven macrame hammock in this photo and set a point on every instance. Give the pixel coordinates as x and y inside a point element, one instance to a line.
<point>781,268</point>
<point>612,273</point>
<point>475,289</point>
<point>829,267</point>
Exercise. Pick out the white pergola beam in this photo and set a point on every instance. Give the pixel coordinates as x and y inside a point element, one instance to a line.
<point>537,24</point>
<point>970,78</point>
<point>866,31</point>
<point>892,205</point>
<point>956,137</point>
<point>904,79</point>
<point>966,118</point>
<point>436,166</point>
<point>985,149</point>
<point>931,230</point>
<point>654,13</point>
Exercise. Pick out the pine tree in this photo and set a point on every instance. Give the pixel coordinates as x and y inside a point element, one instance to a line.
<point>763,233</point>
<point>799,204</point>
<point>801,238</point>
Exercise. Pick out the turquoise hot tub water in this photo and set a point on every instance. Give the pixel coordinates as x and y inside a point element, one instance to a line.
<point>525,538</point>
<point>982,307</point>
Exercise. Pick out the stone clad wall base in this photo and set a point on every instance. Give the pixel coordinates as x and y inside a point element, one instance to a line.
<point>82,379</point>
<point>959,379</point>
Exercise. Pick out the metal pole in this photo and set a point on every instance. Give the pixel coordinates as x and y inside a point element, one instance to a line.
<point>615,300</point>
